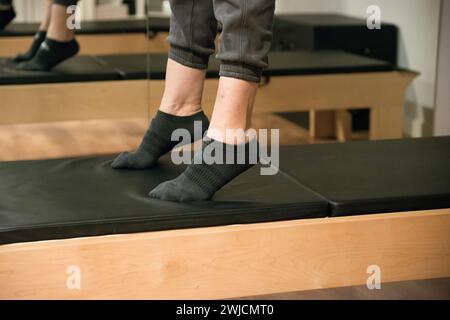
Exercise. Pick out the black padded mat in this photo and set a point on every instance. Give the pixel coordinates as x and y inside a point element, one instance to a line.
<point>76,69</point>
<point>154,24</point>
<point>153,66</point>
<point>322,62</point>
<point>134,66</point>
<point>281,64</point>
<point>67,198</point>
<point>374,176</point>
<point>322,19</point>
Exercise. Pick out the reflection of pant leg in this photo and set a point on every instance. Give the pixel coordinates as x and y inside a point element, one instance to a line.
<point>193,29</point>
<point>66,3</point>
<point>7,13</point>
<point>246,37</point>
<point>6,3</point>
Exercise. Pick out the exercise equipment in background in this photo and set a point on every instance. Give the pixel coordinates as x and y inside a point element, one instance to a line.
<point>324,82</point>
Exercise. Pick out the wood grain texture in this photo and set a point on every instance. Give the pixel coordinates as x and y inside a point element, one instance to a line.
<point>106,136</point>
<point>428,289</point>
<point>232,261</point>
<point>42,103</point>
<point>322,124</point>
<point>73,101</point>
<point>344,126</point>
<point>325,93</point>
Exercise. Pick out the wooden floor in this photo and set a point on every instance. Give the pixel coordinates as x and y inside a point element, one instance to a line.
<point>432,289</point>
<point>81,138</point>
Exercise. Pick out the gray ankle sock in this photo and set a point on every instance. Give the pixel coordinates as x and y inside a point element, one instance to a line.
<point>50,54</point>
<point>200,181</point>
<point>157,140</point>
<point>39,37</point>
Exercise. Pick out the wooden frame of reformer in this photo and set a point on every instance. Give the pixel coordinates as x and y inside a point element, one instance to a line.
<point>232,261</point>
<point>323,95</point>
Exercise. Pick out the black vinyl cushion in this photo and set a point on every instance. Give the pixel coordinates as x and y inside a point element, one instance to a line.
<point>154,24</point>
<point>135,66</point>
<point>77,69</point>
<point>67,198</point>
<point>140,66</point>
<point>332,32</point>
<point>153,66</point>
<point>375,176</point>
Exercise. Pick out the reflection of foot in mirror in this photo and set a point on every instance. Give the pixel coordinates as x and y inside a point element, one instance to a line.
<point>7,13</point>
<point>37,41</point>
<point>50,54</point>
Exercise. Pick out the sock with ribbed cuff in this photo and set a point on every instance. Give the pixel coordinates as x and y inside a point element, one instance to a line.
<point>50,54</point>
<point>39,37</point>
<point>204,177</point>
<point>157,140</point>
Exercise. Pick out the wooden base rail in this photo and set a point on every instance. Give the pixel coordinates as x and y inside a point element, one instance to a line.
<point>231,261</point>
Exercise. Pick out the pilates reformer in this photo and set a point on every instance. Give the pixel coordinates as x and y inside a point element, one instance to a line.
<point>295,81</point>
<point>331,212</point>
<point>98,37</point>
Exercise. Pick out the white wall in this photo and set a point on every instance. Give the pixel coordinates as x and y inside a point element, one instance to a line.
<point>418,22</point>
<point>308,6</point>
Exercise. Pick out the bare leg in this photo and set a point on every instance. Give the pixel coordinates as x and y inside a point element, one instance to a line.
<point>233,109</point>
<point>57,29</point>
<point>47,15</point>
<point>183,89</point>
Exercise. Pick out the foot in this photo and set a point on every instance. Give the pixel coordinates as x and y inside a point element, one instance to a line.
<point>157,140</point>
<point>200,181</point>
<point>50,54</point>
<point>37,41</point>
<point>7,14</point>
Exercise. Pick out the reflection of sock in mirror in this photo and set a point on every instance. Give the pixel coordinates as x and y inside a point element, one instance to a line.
<point>50,54</point>
<point>37,41</point>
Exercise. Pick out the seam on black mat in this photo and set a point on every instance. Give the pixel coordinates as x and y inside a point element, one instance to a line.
<point>316,193</point>
<point>306,187</point>
<point>121,73</point>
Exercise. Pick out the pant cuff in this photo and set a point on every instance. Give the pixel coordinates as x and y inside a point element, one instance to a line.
<point>240,71</point>
<point>66,3</point>
<point>188,58</point>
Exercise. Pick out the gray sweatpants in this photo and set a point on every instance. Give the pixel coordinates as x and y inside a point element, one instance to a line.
<point>245,39</point>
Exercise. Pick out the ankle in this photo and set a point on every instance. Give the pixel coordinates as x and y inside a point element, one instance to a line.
<point>181,110</point>
<point>62,36</point>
